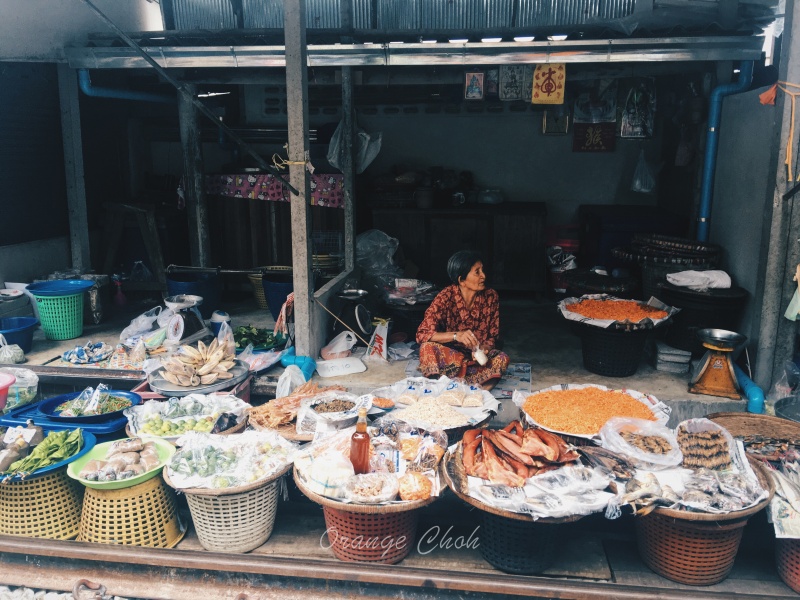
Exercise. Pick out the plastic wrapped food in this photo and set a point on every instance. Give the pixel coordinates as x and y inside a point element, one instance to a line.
<point>329,475</point>
<point>415,486</point>
<point>428,456</point>
<point>704,444</point>
<point>453,397</point>
<point>409,447</point>
<point>371,488</point>
<point>473,400</point>
<point>647,444</point>
<point>501,496</point>
<point>128,458</point>
<point>91,470</point>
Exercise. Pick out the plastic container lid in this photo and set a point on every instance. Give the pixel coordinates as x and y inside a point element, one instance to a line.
<point>6,380</point>
<point>59,287</point>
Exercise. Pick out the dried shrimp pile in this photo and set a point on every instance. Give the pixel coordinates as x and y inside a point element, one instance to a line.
<point>616,310</point>
<point>284,410</point>
<point>583,411</point>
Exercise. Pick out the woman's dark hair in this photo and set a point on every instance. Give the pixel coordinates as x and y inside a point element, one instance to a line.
<point>460,264</point>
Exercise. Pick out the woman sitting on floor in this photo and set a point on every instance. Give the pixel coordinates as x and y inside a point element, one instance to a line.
<point>462,318</point>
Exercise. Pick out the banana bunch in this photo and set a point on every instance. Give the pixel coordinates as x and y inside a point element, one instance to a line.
<point>203,365</point>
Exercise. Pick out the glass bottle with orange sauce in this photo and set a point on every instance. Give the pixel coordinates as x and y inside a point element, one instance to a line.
<point>359,444</point>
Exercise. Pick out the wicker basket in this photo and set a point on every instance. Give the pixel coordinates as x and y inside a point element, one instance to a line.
<point>368,533</point>
<point>513,542</point>
<point>612,352</point>
<point>740,424</point>
<point>236,519</point>
<point>142,515</point>
<point>787,559</point>
<point>695,548</point>
<point>43,507</point>
<point>258,290</point>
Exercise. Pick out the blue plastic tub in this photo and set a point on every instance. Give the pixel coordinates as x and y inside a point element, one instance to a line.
<point>277,286</point>
<point>206,285</point>
<point>19,331</point>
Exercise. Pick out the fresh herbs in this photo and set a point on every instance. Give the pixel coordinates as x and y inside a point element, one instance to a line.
<point>261,339</point>
<point>57,446</point>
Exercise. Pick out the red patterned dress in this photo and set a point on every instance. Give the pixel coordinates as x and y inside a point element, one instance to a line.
<point>448,312</point>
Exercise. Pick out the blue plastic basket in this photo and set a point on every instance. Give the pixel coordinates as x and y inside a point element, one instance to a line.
<point>205,285</point>
<point>19,331</point>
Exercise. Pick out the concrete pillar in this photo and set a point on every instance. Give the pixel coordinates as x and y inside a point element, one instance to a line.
<point>73,167</point>
<point>194,187</point>
<point>348,168</point>
<point>305,315</point>
<point>782,230</point>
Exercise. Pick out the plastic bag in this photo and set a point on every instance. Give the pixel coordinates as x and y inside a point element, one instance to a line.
<point>23,390</point>
<point>375,251</point>
<point>290,379</point>
<point>311,421</point>
<point>339,347</point>
<point>785,387</point>
<point>705,444</point>
<point>643,180</point>
<point>226,340</point>
<point>365,148</point>
<point>646,443</point>
<point>258,361</point>
<point>10,353</point>
<point>141,324</point>
<point>371,488</point>
<point>140,272</point>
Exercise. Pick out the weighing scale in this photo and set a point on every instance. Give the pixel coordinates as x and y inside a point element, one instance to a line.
<point>187,323</point>
<point>353,314</point>
<point>714,375</point>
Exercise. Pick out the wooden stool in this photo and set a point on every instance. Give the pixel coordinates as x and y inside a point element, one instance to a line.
<point>146,219</point>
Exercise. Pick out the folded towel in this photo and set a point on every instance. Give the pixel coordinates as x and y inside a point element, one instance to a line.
<point>700,281</point>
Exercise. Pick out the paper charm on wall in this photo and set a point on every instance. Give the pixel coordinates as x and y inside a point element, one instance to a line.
<point>548,84</point>
<point>511,82</point>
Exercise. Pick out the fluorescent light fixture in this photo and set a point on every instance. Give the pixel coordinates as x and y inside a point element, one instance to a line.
<point>737,71</point>
<point>556,38</point>
<point>458,41</point>
<point>212,94</point>
<point>491,40</point>
<point>524,38</point>
<point>428,41</point>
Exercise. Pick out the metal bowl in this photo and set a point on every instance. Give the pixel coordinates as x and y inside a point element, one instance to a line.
<point>351,294</point>
<point>722,338</point>
<point>176,303</point>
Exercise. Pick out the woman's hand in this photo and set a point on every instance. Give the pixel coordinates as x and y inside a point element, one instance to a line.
<point>467,338</point>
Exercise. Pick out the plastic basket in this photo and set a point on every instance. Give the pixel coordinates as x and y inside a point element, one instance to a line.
<point>612,352</point>
<point>142,515</point>
<point>19,330</point>
<point>787,559</point>
<point>43,507</point>
<point>61,316</point>
<point>689,552</point>
<point>519,547</point>
<point>258,290</point>
<point>238,522</point>
<point>394,532</point>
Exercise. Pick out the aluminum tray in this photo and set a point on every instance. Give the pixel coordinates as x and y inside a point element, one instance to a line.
<point>158,384</point>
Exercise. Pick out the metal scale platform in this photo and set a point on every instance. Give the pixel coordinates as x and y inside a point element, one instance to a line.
<point>714,375</point>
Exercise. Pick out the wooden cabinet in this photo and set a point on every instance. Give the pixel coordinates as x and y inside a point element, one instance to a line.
<point>510,236</point>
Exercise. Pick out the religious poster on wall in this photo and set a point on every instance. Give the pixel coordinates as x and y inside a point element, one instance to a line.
<point>527,83</point>
<point>492,83</point>
<point>595,117</point>
<point>548,84</point>
<point>473,86</point>
<point>637,112</point>
<point>511,82</point>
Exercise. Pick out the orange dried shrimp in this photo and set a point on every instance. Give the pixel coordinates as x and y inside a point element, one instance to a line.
<point>582,411</point>
<point>616,310</point>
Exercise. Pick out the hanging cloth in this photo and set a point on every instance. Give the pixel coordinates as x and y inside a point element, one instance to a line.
<point>768,97</point>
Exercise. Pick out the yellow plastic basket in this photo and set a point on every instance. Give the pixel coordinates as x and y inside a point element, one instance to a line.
<point>42,507</point>
<point>258,290</point>
<point>142,515</point>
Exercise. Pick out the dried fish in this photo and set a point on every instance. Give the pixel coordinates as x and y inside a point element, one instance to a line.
<point>620,467</point>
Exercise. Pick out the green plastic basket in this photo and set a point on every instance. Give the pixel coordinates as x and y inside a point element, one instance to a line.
<point>61,316</point>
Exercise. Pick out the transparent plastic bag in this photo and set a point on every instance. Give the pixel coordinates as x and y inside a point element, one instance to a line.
<point>371,488</point>
<point>704,457</point>
<point>643,179</point>
<point>140,272</point>
<point>141,324</point>
<point>646,443</point>
<point>339,347</point>
<point>10,353</point>
<point>226,340</point>
<point>365,148</point>
<point>785,387</point>
<point>290,379</point>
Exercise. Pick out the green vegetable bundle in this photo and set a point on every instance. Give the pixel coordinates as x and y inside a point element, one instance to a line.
<point>261,339</point>
<point>57,446</point>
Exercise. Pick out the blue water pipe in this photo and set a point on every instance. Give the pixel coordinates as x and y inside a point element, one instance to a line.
<point>755,395</point>
<point>712,142</point>
<point>306,364</point>
<point>85,83</point>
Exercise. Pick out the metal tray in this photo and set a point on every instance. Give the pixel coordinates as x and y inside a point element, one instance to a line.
<point>158,384</point>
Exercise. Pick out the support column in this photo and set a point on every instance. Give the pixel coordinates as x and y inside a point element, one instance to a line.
<point>782,231</point>
<point>194,188</point>
<point>73,167</point>
<point>297,103</point>
<point>348,168</point>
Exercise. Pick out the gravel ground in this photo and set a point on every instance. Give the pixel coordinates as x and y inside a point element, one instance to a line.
<point>24,593</point>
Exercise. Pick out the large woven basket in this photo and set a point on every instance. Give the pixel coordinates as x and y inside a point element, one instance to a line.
<point>142,515</point>
<point>43,507</point>
<point>368,533</point>
<point>235,519</point>
<point>258,290</point>
<point>787,559</point>
<point>513,542</point>
<point>696,548</point>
